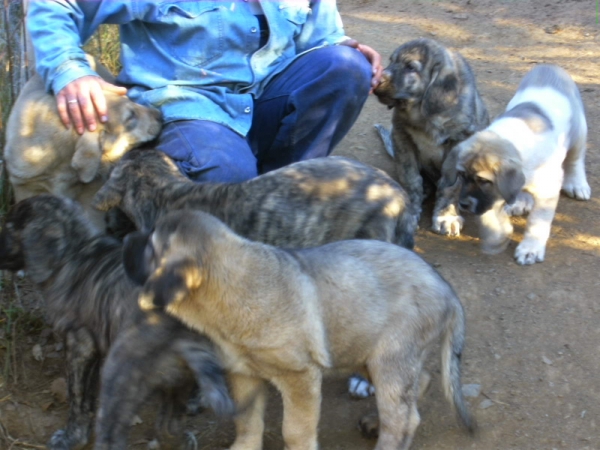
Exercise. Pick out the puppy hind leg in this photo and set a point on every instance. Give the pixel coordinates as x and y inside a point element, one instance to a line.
<point>250,396</point>
<point>301,394</point>
<point>575,183</point>
<point>369,423</point>
<point>397,383</point>
<point>83,371</point>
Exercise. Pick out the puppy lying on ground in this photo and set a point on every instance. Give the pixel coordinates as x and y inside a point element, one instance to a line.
<point>519,163</point>
<point>304,204</point>
<point>436,105</point>
<point>90,300</point>
<point>43,157</point>
<point>289,316</point>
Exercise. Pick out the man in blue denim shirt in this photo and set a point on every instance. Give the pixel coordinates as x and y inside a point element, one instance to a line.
<point>244,87</point>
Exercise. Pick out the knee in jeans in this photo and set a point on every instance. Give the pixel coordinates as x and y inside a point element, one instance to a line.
<point>350,69</point>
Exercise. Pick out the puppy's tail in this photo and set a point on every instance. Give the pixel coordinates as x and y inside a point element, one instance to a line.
<point>406,227</point>
<point>452,347</point>
<point>386,137</point>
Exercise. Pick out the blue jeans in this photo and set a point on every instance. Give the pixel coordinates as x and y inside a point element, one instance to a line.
<point>303,113</point>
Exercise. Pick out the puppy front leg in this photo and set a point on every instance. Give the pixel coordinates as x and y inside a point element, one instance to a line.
<point>83,370</point>
<point>533,247</point>
<point>250,396</point>
<point>446,219</point>
<point>407,168</point>
<point>301,394</point>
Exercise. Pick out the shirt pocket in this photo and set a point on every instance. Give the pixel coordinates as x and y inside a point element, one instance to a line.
<point>296,12</point>
<point>192,31</point>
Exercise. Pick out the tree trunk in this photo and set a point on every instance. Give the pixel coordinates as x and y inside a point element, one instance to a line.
<point>15,53</point>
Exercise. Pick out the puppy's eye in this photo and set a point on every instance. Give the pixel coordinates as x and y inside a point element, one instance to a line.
<point>482,181</point>
<point>413,66</point>
<point>131,119</point>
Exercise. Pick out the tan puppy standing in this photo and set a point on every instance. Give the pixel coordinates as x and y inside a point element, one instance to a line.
<point>289,317</point>
<point>520,162</point>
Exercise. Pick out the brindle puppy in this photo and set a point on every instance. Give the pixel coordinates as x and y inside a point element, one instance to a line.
<point>90,300</point>
<point>302,205</point>
<point>436,105</point>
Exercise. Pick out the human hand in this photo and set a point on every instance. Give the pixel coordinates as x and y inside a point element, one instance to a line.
<point>372,56</point>
<point>79,102</point>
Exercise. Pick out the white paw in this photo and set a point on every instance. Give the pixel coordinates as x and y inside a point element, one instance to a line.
<point>358,387</point>
<point>530,252</point>
<point>521,206</point>
<point>577,188</point>
<point>448,225</point>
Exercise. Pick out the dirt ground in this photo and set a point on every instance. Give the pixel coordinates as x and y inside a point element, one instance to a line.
<point>533,339</point>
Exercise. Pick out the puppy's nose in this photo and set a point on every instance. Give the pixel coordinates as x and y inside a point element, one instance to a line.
<point>468,204</point>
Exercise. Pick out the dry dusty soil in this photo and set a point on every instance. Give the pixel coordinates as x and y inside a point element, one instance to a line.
<point>533,341</point>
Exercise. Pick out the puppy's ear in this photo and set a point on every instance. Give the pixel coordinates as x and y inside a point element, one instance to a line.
<point>442,91</point>
<point>46,245</point>
<point>510,181</point>
<point>137,257</point>
<point>87,156</point>
<point>107,197</point>
<point>170,284</point>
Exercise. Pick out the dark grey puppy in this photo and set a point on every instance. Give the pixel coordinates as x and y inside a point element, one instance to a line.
<point>90,300</point>
<point>436,105</point>
<point>302,205</point>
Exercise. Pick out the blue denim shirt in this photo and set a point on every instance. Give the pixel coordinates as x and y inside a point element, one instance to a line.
<point>191,59</point>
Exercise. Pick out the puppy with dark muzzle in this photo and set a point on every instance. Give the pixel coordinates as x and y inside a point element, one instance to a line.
<point>348,305</point>
<point>90,300</point>
<point>520,162</point>
<point>436,105</point>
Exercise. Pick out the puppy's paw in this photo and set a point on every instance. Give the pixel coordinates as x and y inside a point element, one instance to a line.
<point>447,224</point>
<point>577,188</point>
<point>530,251</point>
<point>521,206</point>
<point>369,425</point>
<point>189,441</point>
<point>359,387</point>
<point>60,440</point>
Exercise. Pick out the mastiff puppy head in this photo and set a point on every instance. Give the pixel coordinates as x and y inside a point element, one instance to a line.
<point>134,183</point>
<point>440,81</point>
<point>491,171</point>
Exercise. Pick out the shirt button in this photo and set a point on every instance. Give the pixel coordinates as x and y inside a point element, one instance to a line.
<point>247,110</point>
<point>253,29</point>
